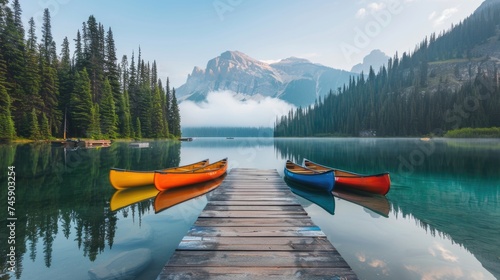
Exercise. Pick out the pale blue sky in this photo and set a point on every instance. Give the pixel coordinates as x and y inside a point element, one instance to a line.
<point>182,34</point>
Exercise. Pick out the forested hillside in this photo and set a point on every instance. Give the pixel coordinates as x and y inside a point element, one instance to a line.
<point>90,91</point>
<point>449,81</point>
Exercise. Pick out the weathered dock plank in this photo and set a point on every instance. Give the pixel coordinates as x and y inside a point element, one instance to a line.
<point>257,259</point>
<point>254,228</point>
<point>268,273</point>
<point>226,243</point>
<point>255,222</point>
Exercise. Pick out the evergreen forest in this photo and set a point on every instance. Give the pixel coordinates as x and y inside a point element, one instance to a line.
<point>449,81</point>
<point>45,90</point>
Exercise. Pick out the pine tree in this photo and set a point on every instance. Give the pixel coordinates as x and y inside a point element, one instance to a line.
<point>109,119</point>
<point>127,127</point>
<point>44,127</point>
<point>49,85</point>
<point>94,55</point>
<point>79,56</point>
<point>144,108</point>
<point>138,129</point>
<point>12,48</point>
<point>163,105</point>
<point>176,117</point>
<point>94,131</point>
<point>113,76</point>
<point>47,39</point>
<point>7,130</point>
<point>65,76</point>
<point>32,76</point>
<point>32,79</point>
<point>166,106</point>
<point>133,90</point>
<point>3,67</point>
<point>49,92</point>
<point>81,104</point>
<point>157,123</point>
<point>125,121</point>
<point>34,127</point>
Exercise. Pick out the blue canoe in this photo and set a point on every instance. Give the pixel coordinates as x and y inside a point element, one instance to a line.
<point>320,180</point>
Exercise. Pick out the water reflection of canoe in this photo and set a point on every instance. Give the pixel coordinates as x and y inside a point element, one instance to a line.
<point>321,198</point>
<point>169,198</point>
<point>376,203</point>
<point>126,197</point>
<point>124,179</point>
<point>299,174</point>
<point>165,180</point>
<point>376,183</point>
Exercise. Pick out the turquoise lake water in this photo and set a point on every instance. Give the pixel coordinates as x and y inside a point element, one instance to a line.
<point>443,220</point>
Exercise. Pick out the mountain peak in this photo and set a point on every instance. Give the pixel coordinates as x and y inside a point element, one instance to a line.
<point>233,55</point>
<point>375,59</point>
<point>233,59</point>
<point>293,59</point>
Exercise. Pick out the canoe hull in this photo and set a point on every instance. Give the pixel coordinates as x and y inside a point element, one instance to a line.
<point>375,184</point>
<point>169,198</point>
<point>168,180</point>
<point>121,180</point>
<point>321,198</point>
<point>323,181</point>
<point>125,179</point>
<point>379,184</point>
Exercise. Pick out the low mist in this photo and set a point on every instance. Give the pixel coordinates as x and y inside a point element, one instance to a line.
<point>224,109</point>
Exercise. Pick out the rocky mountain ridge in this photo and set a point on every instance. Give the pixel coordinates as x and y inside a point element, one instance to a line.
<point>295,80</point>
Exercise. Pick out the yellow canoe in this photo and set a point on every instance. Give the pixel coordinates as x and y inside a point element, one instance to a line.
<point>124,179</point>
<point>125,197</point>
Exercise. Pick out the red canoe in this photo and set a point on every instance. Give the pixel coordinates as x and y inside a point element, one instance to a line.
<point>165,180</point>
<point>377,183</point>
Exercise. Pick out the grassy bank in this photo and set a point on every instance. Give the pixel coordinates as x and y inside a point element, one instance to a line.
<point>491,132</point>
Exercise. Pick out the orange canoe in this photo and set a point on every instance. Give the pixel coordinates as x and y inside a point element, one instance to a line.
<point>124,179</point>
<point>165,180</point>
<point>377,184</point>
<point>169,198</point>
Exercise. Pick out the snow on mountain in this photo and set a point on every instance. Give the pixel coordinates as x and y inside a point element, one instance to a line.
<point>295,80</point>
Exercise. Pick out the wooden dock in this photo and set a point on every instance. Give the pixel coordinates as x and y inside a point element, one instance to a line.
<point>254,228</point>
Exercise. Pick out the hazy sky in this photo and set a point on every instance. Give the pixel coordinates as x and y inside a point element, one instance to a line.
<point>182,34</point>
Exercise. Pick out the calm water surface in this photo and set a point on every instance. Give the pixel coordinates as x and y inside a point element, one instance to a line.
<point>443,223</point>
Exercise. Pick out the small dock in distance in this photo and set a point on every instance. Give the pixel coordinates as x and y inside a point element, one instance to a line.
<point>253,227</point>
<point>84,143</point>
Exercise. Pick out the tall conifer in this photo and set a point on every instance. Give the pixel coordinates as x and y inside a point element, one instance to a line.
<point>81,104</point>
<point>7,130</point>
<point>108,117</point>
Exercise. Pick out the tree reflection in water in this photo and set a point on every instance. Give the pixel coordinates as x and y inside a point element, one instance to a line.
<point>62,189</point>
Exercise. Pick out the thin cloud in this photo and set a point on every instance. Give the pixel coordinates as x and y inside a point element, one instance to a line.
<point>270,61</point>
<point>432,15</point>
<point>361,13</point>
<point>445,15</point>
<point>372,7</point>
<point>226,109</point>
<point>438,250</point>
